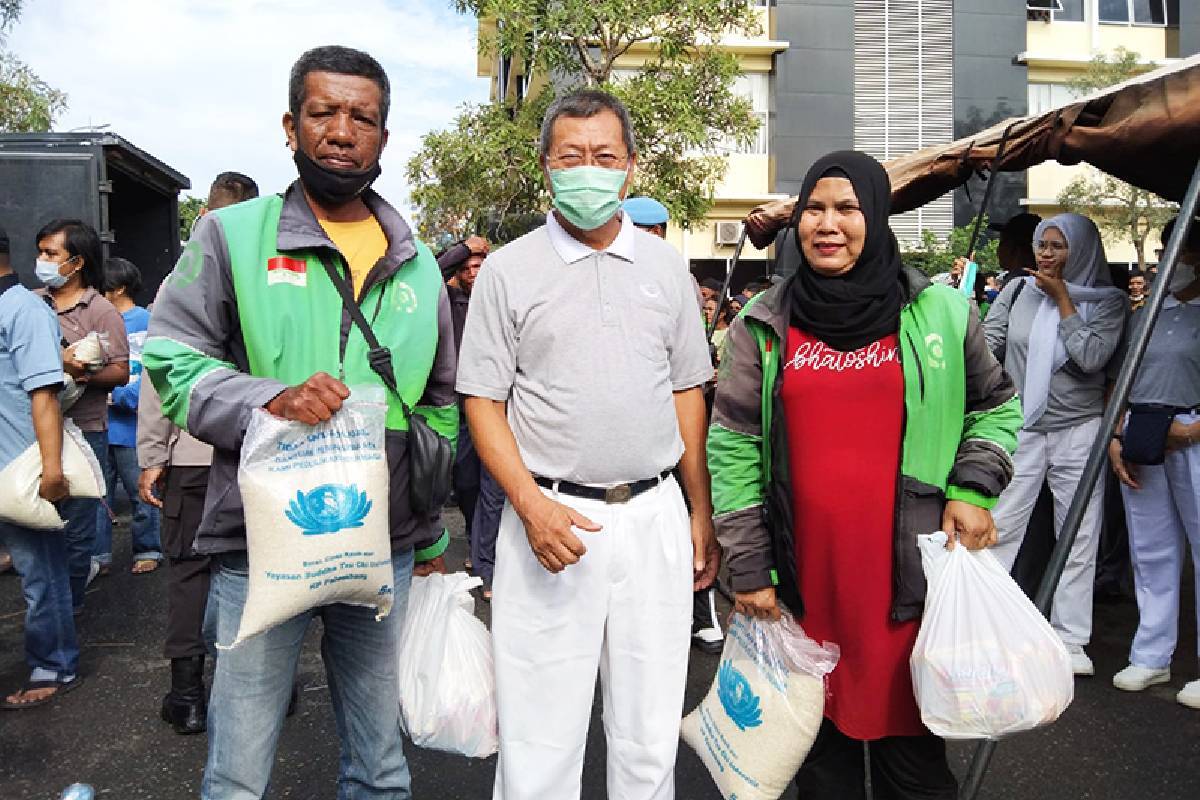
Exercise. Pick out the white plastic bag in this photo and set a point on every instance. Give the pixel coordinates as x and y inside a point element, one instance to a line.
<point>316,504</point>
<point>986,663</point>
<point>447,684</point>
<point>90,352</point>
<point>758,721</point>
<point>20,503</point>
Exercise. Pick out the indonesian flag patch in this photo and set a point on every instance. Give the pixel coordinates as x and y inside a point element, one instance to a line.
<point>281,269</point>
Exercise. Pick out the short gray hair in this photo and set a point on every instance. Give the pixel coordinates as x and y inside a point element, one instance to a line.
<point>582,104</point>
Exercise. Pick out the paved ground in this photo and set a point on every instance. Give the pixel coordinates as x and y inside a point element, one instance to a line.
<point>1109,745</point>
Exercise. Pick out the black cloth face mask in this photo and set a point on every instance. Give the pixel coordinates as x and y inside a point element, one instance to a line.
<point>333,187</point>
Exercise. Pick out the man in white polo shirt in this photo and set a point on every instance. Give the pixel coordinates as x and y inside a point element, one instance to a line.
<point>582,361</point>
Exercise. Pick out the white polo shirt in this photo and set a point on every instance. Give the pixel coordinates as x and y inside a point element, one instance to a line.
<point>587,348</point>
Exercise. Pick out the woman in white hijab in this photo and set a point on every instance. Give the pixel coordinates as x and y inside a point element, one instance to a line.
<point>1056,333</point>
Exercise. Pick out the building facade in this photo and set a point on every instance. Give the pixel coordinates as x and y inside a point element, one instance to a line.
<point>893,76</point>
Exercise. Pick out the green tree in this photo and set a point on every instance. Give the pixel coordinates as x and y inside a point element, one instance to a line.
<point>27,103</point>
<point>189,212</point>
<point>1122,211</point>
<point>482,173</point>
<point>935,255</point>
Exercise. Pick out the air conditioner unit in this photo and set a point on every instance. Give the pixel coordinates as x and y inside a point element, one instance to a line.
<point>728,232</point>
<point>1043,5</point>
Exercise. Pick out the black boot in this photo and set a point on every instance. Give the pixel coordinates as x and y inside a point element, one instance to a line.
<point>184,705</point>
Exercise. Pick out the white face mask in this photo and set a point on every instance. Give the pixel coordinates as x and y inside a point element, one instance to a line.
<point>48,273</point>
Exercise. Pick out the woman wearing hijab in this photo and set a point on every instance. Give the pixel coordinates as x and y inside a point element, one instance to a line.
<point>856,378</point>
<point>1056,333</point>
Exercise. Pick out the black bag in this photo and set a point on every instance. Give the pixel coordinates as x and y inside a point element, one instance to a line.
<point>1145,438</point>
<point>430,455</point>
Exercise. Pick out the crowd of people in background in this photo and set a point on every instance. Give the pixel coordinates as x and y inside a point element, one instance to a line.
<point>548,456</point>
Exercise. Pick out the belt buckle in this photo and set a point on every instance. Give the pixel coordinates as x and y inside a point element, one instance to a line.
<point>615,495</point>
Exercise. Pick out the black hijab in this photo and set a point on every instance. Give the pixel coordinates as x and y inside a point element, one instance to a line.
<point>861,306</point>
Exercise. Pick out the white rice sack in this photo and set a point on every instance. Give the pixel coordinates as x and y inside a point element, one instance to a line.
<point>758,721</point>
<point>20,503</point>
<point>316,505</point>
<point>447,682</point>
<point>986,663</point>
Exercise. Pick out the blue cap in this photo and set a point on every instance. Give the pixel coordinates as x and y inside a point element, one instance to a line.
<point>646,211</point>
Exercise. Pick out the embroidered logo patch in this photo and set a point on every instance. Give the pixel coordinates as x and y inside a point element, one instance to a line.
<point>935,347</point>
<point>406,298</point>
<point>292,271</point>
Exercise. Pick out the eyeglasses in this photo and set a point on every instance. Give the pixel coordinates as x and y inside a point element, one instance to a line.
<point>1053,247</point>
<point>605,160</point>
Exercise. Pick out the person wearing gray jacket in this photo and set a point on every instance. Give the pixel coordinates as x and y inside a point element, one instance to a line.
<point>1055,333</point>
<point>174,479</point>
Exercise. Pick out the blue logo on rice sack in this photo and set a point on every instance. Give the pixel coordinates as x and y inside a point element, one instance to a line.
<point>737,698</point>
<point>329,508</point>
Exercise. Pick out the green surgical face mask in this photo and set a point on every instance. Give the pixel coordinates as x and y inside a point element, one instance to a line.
<point>588,196</point>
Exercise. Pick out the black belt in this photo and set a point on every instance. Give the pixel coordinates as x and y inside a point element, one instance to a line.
<point>1175,410</point>
<point>621,493</point>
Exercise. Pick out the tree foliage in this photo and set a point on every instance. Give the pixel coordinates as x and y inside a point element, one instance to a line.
<point>935,255</point>
<point>482,173</point>
<point>1122,211</point>
<point>189,212</point>
<point>27,103</point>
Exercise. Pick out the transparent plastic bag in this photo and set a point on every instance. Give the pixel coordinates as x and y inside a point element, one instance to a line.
<point>985,664</point>
<point>758,721</point>
<point>21,480</point>
<point>316,507</point>
<point>447,683</point>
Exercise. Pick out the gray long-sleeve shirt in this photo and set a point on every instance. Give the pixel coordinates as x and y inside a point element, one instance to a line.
<point>1077,388</point>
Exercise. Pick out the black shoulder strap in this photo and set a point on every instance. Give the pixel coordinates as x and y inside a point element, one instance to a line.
<point>379,357</point>
<point>1017,292</point>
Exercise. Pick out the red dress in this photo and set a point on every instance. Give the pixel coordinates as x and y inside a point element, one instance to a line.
<point>845,417</point>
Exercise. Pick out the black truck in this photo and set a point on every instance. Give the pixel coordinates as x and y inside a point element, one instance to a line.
<point>126,194</point>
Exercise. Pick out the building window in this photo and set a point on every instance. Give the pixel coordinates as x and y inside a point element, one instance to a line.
<point>1046,96</point>
<point>1054,10</point>
<point>904,91</point>
<point>1140,12</point>
<point>755,87</point>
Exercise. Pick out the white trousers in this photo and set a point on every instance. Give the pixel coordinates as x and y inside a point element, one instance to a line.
<point>624,609</point>
<point>1058,458</point>
<point>1162,516</point>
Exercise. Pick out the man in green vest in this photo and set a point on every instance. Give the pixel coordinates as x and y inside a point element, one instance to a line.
<point>250,319</point>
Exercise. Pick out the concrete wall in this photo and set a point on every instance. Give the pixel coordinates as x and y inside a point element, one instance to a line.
<point>988,88</point>
<point>812,110</point>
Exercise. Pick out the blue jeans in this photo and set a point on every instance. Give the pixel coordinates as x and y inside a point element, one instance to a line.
<point>51,649</point>
<point>253,682</point>
<point>121,462</point>
<point>80,533</point>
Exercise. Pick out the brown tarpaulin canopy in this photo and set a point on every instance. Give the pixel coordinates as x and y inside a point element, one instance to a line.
<point>1145,131</point>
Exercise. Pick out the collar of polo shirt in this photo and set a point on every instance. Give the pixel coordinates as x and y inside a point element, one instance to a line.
<point>570,249</point>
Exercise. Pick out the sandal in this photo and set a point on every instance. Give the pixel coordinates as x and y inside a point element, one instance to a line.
<point>59,687</point>
<point>143,566</point>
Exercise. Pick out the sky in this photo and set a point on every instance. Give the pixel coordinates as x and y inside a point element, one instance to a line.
<point>202,84</point>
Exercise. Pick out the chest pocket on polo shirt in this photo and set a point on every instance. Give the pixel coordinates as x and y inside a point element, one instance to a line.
<point>648,320</point>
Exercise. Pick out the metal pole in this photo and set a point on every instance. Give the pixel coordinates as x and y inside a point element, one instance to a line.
<point>987,192</point>
<point>1098,457</point>
<point>737,254</point>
